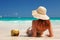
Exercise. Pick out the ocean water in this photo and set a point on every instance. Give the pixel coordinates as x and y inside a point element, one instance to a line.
<point>24,18</point>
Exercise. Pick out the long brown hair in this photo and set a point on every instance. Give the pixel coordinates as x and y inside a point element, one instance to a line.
<point>41,24</point>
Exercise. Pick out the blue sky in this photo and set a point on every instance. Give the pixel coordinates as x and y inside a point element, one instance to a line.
<point>23,8</point>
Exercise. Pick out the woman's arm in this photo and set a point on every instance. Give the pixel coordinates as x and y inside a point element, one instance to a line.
<point>33,29</point>
<point>50,30</point>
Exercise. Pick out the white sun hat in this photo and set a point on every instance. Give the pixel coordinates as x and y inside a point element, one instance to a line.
<point>40,13</point>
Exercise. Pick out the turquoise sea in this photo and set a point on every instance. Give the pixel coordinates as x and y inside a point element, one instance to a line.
<point>24,18</point>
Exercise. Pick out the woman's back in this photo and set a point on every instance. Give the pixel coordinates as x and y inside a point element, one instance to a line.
<point>41,25</point>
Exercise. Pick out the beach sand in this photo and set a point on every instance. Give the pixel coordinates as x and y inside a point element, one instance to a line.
<point>7,26</point>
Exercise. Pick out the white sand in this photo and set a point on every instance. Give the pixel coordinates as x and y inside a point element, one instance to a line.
<point>7,26</point>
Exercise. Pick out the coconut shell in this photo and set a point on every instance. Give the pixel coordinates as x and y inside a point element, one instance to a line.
<point>14,32</point>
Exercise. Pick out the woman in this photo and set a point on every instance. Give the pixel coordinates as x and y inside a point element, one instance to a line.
<point>40,25</point>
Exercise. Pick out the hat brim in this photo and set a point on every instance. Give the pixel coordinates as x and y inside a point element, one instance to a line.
<point>39,16</point>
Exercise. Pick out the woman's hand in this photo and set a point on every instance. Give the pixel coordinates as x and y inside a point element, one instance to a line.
<point>49,35</point>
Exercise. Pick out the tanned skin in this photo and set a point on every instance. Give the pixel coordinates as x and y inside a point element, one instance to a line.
<point>38,27</point>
